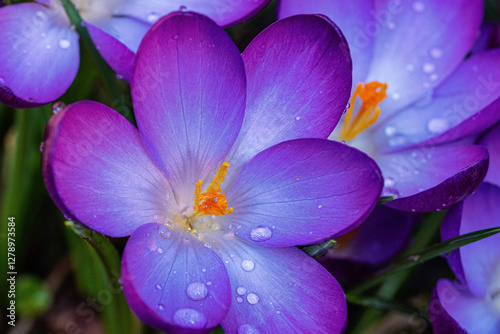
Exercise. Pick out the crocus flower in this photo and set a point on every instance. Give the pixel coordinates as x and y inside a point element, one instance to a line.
<point>40,51</point>
<point>413,92</point>
<point>472,305</point>
<point>228,170</point>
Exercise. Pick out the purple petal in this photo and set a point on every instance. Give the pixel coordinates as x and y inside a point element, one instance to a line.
<point>431,178</point>
<point>174,283</point>
<point>450,228</point>
<point>280,290</point>
<point>481,259</point>
<point>224,12</point>
<point>299,80</point>
<point>98,172</point>
<point>464,309</point>
<point>367,245</point>
<point>189,97</point>
<point>420,46</point>
<point>353,17</point>
<point>303,191</point>
<point>40,55</point>
<point>465,103</point>
<point>442,322</point>
<point>117,39</point>
<point>492,142</point>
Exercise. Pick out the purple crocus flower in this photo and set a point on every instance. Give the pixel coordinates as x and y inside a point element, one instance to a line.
<point>416,93</point>
<point>472,305</point>
<point>40,52</point>
<point>228,170</point>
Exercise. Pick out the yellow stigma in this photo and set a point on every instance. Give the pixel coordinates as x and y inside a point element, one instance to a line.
<point>371,94</point>
<point>212,201</point>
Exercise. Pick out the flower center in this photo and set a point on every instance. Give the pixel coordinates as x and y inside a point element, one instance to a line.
<point>212,201</point>
<point>371,94</point>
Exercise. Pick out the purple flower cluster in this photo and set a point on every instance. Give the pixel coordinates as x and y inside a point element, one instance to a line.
<point>237,158</point>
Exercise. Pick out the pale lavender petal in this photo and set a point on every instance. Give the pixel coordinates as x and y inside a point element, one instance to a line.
<point>189,97</point>
<point>299,81</point>
<point>357,20</point>
<point>173,282</point>
<point>117,39</point>
<point>224,12</point>
<point>280,290</point>
<point>473,315</point>
<point>465,103</point>
<point>422,44</point>
<point>481,259</point>
<point>98,171</point>
<point>303,191</point>
<point>431,178</point>
<point>40,55</point>
<point>492,142</point>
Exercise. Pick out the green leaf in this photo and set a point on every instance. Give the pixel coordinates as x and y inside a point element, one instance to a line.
<point>386,199</point>
<point>427,254</point>
<point>317,250</point>
<point>97,268</point>
<point>33,296</point>
<point>218,330</point>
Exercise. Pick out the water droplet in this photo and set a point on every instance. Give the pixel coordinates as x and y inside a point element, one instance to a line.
<point>252,298</point>
<point>436,53</point>
<point>64,44</point>
<point>241,290</point>
<point>239,300</point>
<point>189,318</point>
<point>261,233</point>
<point>428,67</point>
<point>418,7</point>
<point>391,25</point>
<point>203,270</point>
<point>388,182</point>
<point>320,206</point>
<point>58,106</point>
<point>208,245</point>
<point>209,283</point>
<point>158,286</point>
<point>2,80</point>
<point>410,67</point>
<point>197,291</point>
<point>248,329</point>
<point>182,8</point>
<point>164,233</point>
<point>153,17</point>
<point>437,125</point>
<point>433,77</point>
<point>228,235</point>
<point>41,146</point>
<point>390,130</point>
<point>247,265</point>
<point>119,76</point>
<point>43,34</point>
<point>397,141</point>
<point>48,46</point>
<point>159,250</point>
<point>160,307</point>
<point>342,142</point>
<point>174,37</point>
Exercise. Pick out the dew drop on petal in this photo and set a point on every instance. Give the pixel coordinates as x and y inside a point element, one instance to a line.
<point>390,130</point>
<point>64,44</point>
<point>189,318</point>
<point>252,298</point>
<point>247,265</point>
<point>418,7</point>
<point>436,53</point>
<point>320,206</point>
<point>58,106</point>
<point>197,291</point>
<point>159,250</point>
<point>160,307</point>
<point>248,329</point>
<point>48,46</point>
<point>437,125</point>
<point>241,290</point>
<point>261,233</point>
<point>428,67</point>
<point>153,17</point>
<point>158,286</point>
<point>182,8</point>
<point>239,300</point>
<point>297,118</point>
<point>228,235</point>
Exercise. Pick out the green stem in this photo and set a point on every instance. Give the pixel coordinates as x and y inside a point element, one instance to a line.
<point>105,71</point>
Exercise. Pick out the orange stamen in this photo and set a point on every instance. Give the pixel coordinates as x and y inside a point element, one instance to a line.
<point>212,201</point>
<point>371,94</point>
